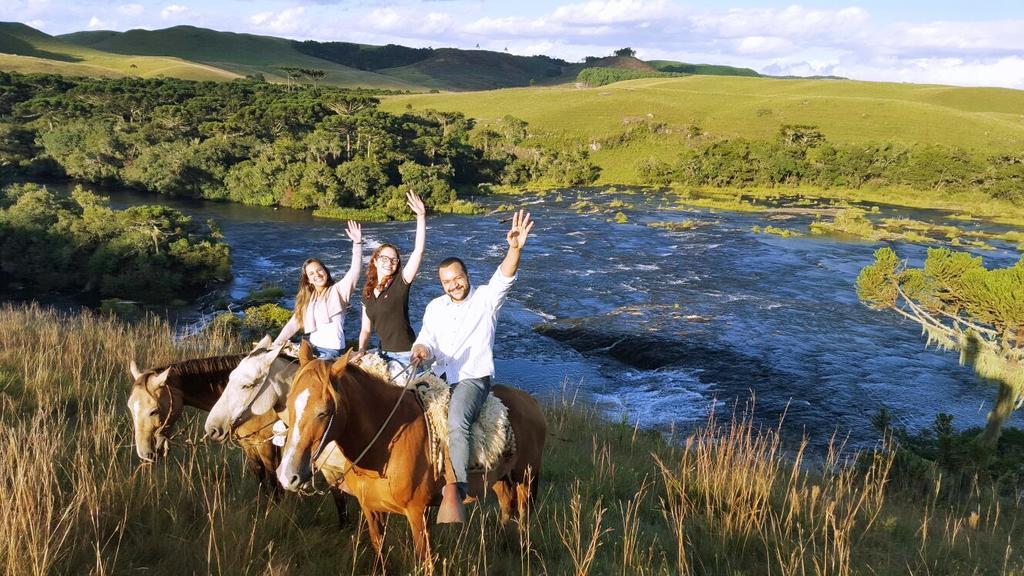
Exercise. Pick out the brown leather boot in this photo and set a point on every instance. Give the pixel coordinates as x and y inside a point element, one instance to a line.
<point>452,510</point>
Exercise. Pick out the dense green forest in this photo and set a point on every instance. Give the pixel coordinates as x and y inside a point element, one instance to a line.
<point>599,75</point>
<point>800,154</point>
<point>52,241</point>
<point>249,141</point>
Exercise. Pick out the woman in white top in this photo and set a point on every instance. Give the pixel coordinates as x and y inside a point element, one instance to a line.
<point>321,302</point>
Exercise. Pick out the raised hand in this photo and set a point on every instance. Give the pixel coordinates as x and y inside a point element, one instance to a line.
<point>415,204</point>
<point>354,231</point>
<point>520,230</point>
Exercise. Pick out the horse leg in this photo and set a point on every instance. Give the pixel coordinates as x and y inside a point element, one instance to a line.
<point>504,490</point>
<point>340,502</point>
<point>262,462</point>
<point>527,484</point>
<point>375,526</point>
<point>417,517</point>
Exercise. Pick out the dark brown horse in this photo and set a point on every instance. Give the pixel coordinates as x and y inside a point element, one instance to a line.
<point>158,397</point>
<point>341,402</point>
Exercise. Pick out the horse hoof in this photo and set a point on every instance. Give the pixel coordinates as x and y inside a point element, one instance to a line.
<point>452,510</point>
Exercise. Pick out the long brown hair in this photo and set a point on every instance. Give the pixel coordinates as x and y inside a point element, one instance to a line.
<point>306,290</point>
<point>371,270</point>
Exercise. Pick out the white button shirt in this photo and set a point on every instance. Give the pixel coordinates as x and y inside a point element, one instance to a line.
<point>460,335</point>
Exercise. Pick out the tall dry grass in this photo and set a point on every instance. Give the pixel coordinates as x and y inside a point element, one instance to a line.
<point>615,499</point>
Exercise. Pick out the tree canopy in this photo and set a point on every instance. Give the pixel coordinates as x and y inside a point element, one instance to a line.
<point>52,241</point>
<point>961,306</point>
<point>248,141</point>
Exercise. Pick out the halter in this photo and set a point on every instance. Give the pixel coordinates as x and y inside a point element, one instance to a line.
<point>262,385</point>
<point>413,375</point>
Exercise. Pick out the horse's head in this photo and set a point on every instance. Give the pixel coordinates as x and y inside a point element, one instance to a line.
<point>314,408</point>
<point>251,390</point>
<point>154,407</point>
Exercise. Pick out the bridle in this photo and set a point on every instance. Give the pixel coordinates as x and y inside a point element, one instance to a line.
<point>412,376</point>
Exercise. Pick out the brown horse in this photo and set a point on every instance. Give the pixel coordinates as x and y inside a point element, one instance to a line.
<point>341,402</point>
<point>158,397</point>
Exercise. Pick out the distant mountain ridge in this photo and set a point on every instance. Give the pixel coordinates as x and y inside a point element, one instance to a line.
<point>200,53</point>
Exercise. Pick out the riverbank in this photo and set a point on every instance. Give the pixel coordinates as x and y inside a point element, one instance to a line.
<point>965,205</point>
<point>614,498</point>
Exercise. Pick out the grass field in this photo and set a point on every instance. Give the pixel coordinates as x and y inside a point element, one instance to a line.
<point>986,120</point>
<point>727,499</point>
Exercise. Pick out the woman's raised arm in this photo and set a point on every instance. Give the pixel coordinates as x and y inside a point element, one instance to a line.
<point>412,266</point>
<point>355,233</point>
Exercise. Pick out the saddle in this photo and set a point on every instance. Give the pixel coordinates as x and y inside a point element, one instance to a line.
<point>491,436</point>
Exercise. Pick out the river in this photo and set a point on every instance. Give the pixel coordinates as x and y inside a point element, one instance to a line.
<point>656,326</point>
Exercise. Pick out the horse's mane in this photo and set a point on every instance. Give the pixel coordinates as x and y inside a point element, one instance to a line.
<point>352,371</point>
<point>202,366</point>
<point>211,370</point>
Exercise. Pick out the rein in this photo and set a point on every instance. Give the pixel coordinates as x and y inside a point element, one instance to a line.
<point>409,385</point>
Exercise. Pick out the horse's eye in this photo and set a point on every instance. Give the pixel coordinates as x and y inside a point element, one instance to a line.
<point>155,412</point>
<point>322,415</point>
<point>247,385</point>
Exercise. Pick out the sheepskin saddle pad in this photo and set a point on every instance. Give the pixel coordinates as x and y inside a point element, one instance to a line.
<point>490,436</point>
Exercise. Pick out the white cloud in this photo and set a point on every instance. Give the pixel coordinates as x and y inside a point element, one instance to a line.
<point>793,22</point>
<point>512,27</point>
<point>609,12</point>
<point>131,9</point>
<point>410,22</point>
<point>960,37</point>
<point>1007,72</point>
<point>286,21</point>
<point>763,45</point>
<point>95,22</point>
<point>385,19</point>
<point>172,11</point>
<point>24,10</point>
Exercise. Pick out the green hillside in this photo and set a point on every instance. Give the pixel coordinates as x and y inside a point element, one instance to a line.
<point>986,120</point>
<point>198,53</point>
<point>705,69</point>
<point>25,49</point>
<point>244,54</point>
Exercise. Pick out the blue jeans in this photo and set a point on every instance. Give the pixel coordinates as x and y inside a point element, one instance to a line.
<point>322,353</point>
<point>467,399</point>
<point>397,362</point>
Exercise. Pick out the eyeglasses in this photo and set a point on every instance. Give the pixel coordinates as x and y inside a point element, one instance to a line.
<point>382,258</point>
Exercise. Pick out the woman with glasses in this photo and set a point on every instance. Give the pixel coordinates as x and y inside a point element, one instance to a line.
<point>321,302</point>
<point>386,293</point>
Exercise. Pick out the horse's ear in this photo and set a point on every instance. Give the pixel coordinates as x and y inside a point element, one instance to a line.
<point>160,379</point>
<point>134,369</point>
<point>339,366</point>
<point>265,343</point>
<point>305,353</point>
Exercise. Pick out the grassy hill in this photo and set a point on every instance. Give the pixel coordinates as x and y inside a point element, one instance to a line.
<point>202,54</point>
<point>25,49</point>
<point>980,119</point>
<point>452,69</point>
<point>242,54</point>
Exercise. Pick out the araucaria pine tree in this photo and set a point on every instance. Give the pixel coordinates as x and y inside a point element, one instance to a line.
<point>960,306</point>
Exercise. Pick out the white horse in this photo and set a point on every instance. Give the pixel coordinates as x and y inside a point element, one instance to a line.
<point>260,384</point>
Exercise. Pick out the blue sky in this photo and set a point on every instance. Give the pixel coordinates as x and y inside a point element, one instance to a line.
<point>944,42</point>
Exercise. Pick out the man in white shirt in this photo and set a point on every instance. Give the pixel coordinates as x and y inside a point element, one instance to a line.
<point>458,332</point>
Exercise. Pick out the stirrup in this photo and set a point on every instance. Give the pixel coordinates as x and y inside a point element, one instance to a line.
<point>452,510</point>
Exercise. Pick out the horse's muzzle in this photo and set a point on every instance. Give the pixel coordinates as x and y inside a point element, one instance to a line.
<point>217,433</point>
